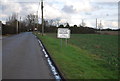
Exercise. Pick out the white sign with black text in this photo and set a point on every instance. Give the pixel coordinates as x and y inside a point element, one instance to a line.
<point>63,33</point>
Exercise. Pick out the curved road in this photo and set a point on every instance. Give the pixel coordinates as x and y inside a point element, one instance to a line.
<point>23,58</point>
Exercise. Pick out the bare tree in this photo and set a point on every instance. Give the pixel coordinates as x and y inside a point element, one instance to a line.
<point>11,20</point>
<point>53,22</point>
<point>67,24</point>
<point>31,21</point>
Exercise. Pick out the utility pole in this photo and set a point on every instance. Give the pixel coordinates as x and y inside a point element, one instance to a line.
<point>42,17</point>
<point>37,16</point>
<point>37,21</point>
<point>100,26</point>
<point>20,25</point>
<point>96,25</point>
<point>82,22</point>
<point>33,23</point>
<point>17,24</point>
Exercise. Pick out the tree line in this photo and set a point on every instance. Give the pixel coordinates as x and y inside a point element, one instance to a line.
<point>30,23</point>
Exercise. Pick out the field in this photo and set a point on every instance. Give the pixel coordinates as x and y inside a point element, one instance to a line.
<point>86,56</point>
<point>109,32</point>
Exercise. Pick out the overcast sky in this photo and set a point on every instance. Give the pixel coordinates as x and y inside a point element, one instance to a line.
<point>71,11</point>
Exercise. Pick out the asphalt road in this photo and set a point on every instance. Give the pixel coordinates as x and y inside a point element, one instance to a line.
<point>0,57</point>
<point>23,58</point>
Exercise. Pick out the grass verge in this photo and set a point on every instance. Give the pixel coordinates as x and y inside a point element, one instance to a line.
<point>75,62</point>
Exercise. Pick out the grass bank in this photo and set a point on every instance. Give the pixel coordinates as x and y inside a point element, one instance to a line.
<point>77,60</point>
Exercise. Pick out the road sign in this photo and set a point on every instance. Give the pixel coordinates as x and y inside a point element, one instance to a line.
<point>63,33</point>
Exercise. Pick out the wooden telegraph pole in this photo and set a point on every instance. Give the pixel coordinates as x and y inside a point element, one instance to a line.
<point>96,25</point>
<point>20,25</point>
<point>42,17</point>
<point>100,25</point>
<point>37,16</point>
<point>17,24</point>
<point>37,20</point>
<point>82,22</point>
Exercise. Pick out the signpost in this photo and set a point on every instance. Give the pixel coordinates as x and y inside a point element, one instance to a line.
<point>63,33</point>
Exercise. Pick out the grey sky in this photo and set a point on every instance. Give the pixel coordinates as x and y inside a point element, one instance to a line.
<point>71,11</point>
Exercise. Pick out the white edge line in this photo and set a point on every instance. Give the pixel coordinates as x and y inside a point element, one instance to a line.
<point>53,69</point>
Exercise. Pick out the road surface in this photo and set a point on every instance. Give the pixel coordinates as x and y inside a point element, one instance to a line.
<point>0,57</point>
<point>23,58</point>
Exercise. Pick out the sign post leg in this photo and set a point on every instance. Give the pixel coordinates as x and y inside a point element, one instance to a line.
<point>61,43</point>
<point>66,41</point>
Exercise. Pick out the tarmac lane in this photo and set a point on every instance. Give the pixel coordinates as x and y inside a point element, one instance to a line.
<point>22,58</point>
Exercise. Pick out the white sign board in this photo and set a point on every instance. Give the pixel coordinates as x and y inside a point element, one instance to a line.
<point>63,33</point>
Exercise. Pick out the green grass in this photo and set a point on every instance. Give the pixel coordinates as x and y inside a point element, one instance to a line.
<point>104,46</point>
<point>80,59</point>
